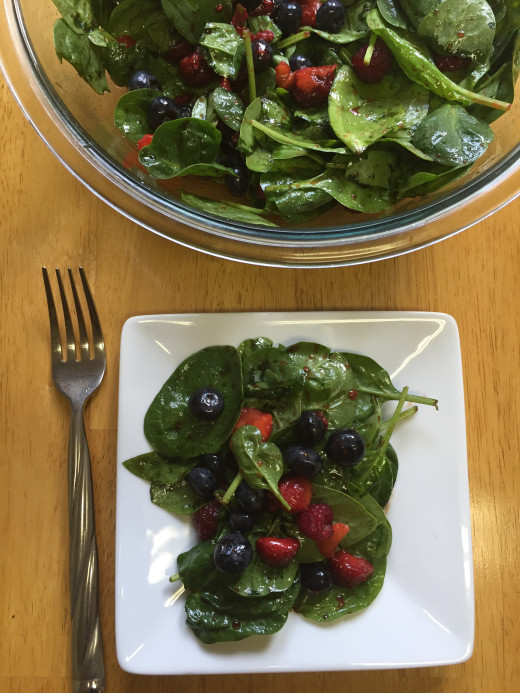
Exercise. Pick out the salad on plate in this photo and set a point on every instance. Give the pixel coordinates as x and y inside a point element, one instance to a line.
<point>282,456</point>
<point>295,106</point>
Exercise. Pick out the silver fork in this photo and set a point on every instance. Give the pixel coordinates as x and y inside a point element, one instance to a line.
<point>77,377</point>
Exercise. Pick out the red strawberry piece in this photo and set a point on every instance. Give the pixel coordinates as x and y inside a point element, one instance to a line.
<point>316,521</point>
<point>254,417</point>
<point>297,491</point>
<point>265,7</point>
<point>312,85</point>
<point>126,41</point>
<point>277,551</point>
<point>284,76</point>
<point>348,570</point>
<point>309,12</point>
<point>194,70</point>
<point>144,141</point>
<point>179,51</point>
<point>206,519</point>
<point>451,63</point>
<point>380,62</point>
<point>327,547</point>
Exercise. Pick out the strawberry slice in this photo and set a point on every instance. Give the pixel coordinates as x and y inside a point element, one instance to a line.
<point>297,491</point>
<point>348,570</point>
<point>254,417</point>
<point>277,551</point>
<point>327,547</point>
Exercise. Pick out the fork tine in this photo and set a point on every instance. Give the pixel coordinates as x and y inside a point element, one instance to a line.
<point>83,338</point>
<point>94,319</point>
<point>56,347</point>
<point>69,332</point>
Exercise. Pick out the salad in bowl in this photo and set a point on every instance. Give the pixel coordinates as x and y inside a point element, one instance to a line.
<point>289,108</point>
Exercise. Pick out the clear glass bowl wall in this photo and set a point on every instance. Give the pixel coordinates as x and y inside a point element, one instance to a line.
<point>78,126</point>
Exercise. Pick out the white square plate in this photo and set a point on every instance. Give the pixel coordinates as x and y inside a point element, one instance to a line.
<point>424,615</point>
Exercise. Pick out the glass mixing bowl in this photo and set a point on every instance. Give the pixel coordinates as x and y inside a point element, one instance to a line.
<point>78,127</point>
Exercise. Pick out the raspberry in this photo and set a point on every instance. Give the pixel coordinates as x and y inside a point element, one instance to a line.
<point>312,85</point>
<point>327,547</point>
<point>316,521</point>
<point>309,12</point>
<point>265,7</point>
<point>254,417</point>
<point>379,65</point>
<point>126,41</point>
<point>206,519</point>
<point>297,491</point>
<point>348,570</point>
<point>194,70</point>
<point>144,141</point>
<point>450,63</point>
<point>239,19</point>
<point>179,51</point>
<point>277,551</point>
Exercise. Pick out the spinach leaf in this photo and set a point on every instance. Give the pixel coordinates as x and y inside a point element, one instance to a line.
<point>260,579</point>
<point>452,137</point>
<point>229,108</point>
<point>143,20</point>
<point>339,601</point>
<point>249,346</point>
<point>419,68</point>
<point>285,193</point>
<point>221,617</point>
<point>378,543</point>
<point>392,12</point>
<point>348,510</point>
<point>326,387</point>
<point>182,147</point>
<point>361,113</point>
<point>221,208</point>
<point>171,428</point>
<point>354,27</point>
<point>78,14</point>
<point>295,140</point>
<point>223,48</point>
<point>178,498</point>
<point>261,464</point>
<point>154,467</point>
<point>73,45</point>
<point>464,28</point>
<point>425,182</point>
<point>190,16</point>
<point>130,113</point>
<point>196,568</point>
<point>270,372</point>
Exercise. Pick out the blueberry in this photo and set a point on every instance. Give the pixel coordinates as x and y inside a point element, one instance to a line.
<point>304,461</point>
<point>202,481</point>
<point>310,427</point>
<point>144,80</point>
<point>298,60</point>
<point>345,447</point>
<point>233,553</point>
<point>250,5</point>
<point>238,185</point>
<point>288,17</point>
<point>316,577</point>
<point>212,461</point>
<point>206,403</point>
<point>241,522</point>
<point>160,110</point>
<point>262,54</point>
<point>330,16</point>
<point>250,500</point>
<point>183,110</point>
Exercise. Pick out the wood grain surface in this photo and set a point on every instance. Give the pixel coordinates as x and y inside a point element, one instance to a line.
<point>48,218</point>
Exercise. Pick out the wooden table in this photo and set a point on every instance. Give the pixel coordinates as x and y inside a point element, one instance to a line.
<point>49,218</point>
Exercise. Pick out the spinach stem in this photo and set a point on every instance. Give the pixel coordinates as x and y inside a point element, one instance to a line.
<point>370,49</point>
<point>231,489</point>
<point>392,422</point>
<point>250,66</point>
<point>237,205</point>
<point>411,398</point>
<point>345,55</point>
<point>174,578</point>
<point>295,38</point>
<point>405,414</point>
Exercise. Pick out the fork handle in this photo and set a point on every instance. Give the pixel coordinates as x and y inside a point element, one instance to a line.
<point>87,648</point>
